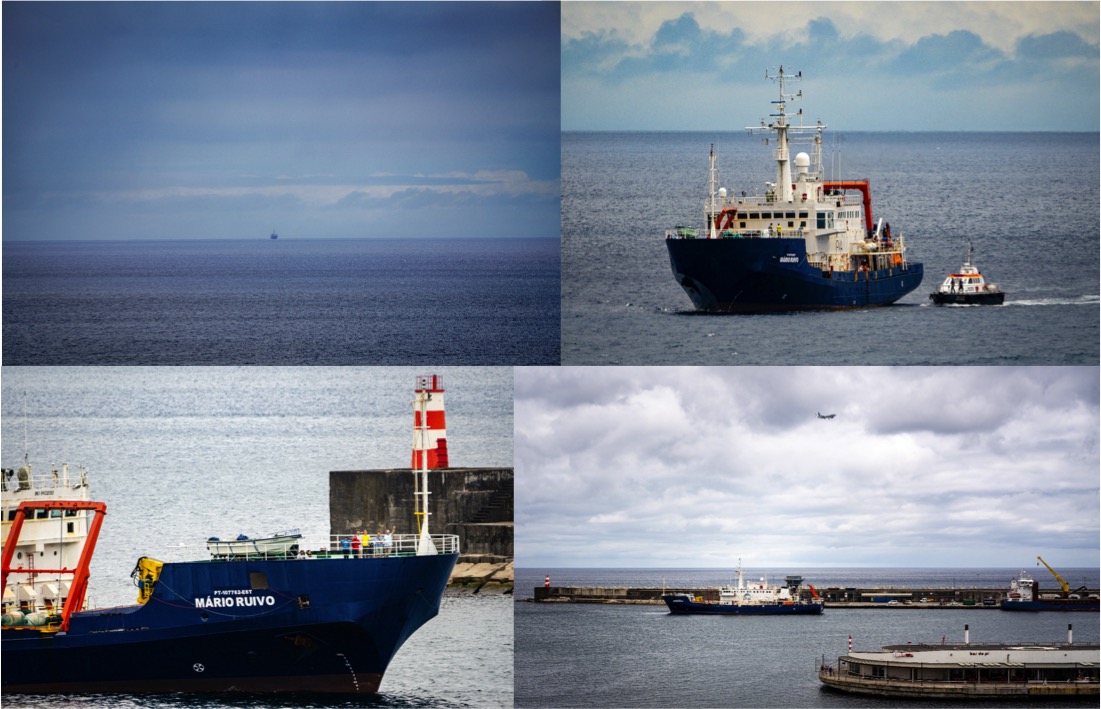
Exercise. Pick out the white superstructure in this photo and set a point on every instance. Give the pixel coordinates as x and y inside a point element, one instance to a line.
<point>839,232</point>
<point>50,539</point>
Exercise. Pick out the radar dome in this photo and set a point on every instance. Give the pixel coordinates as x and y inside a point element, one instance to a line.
<point>722,193</point>
<point>802,163</point>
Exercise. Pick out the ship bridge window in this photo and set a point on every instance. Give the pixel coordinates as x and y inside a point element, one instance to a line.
<point>257,580</point>
<point>790,215</point>
<point>802,215</point>
<point>753,215</point>
<point>825,220</point>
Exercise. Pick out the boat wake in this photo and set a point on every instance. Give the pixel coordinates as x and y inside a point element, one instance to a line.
<point>1080,300</point>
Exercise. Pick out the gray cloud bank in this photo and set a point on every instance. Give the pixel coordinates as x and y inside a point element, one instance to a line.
<point>875,66</point>
<point>694,467</point>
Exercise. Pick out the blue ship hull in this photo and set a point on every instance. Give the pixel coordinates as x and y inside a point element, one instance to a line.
<point>765,275</point>
<point>683,605</point>
<point>305,625</point>
<point>1054,604</point>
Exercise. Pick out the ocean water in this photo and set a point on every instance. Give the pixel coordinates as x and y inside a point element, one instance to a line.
<point>1028,201</point>
<point>284,302</point>
<point>582,655</point>
<point>180,454</point>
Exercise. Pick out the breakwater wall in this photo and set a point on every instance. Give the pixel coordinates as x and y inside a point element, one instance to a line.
<point>483,577</point>
<point>835,597</point>
<point>473,503</point>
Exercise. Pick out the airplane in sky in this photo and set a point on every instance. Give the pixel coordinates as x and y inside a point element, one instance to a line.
<point>826,416</point>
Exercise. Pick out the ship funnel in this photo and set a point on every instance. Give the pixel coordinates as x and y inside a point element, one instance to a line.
<point>429,429</point>
<point>793,583</point>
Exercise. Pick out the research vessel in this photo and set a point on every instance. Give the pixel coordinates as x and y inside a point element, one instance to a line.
<point>967,287</point>
<point>803,244</point>
<point>322,621</point>
<point>747,599</point>
<point>263,615</point>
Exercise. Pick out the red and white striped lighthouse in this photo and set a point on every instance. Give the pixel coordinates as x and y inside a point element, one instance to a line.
<point>429,434</point>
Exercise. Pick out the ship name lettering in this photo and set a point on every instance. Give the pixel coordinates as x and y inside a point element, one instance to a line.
<point>790,258</point>
<point>234,602</point>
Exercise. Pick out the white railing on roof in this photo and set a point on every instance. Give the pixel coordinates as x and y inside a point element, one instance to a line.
<point>394,544</point>
<point>333,547</point>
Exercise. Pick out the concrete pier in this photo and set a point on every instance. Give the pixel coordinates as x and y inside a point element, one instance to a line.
<point>835,597</point>
<point>474,503</point>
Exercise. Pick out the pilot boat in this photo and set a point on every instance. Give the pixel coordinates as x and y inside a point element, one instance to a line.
<point>967,287</point>
<point>802,244</point>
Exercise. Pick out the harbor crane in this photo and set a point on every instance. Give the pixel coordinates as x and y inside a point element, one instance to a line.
<point>1064,584</point>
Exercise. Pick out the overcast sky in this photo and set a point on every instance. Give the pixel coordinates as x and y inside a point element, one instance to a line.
<point>209,120</point>
<point>912,66</point>
<point>696,467</point>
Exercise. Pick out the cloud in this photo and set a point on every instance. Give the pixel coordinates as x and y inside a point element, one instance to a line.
<point>908,66</point>
<point>692,466</point>
<point>959,51</point>
<point>484,184</point>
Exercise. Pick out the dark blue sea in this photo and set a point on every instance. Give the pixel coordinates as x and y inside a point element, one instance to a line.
<point>284,302</point>
<point>180,454</point>
<point>1028,201</point>
<point>591,655</point>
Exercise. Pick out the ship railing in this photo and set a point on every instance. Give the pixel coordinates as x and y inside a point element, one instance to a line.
<point>22,479</point>
<point>352,546</point>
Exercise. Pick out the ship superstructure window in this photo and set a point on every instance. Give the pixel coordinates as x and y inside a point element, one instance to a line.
<point>825,220</point>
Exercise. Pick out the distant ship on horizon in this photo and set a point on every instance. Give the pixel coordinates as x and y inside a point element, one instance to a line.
<point>274,235</point>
